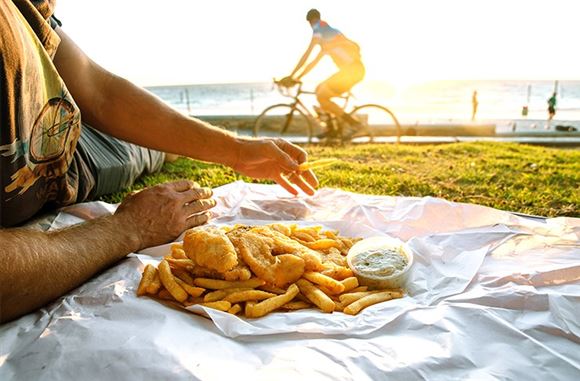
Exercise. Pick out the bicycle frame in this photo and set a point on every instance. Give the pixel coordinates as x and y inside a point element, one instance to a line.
<point>298,104</point>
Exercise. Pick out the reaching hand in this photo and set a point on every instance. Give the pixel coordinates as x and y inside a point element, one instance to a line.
<point>161,213</point>
<point>278,160</point>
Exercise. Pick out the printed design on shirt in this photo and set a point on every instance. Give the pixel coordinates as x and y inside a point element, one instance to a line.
<point>50,148</point>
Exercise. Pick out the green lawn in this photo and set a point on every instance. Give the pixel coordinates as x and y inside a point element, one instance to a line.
<point>514,177</point>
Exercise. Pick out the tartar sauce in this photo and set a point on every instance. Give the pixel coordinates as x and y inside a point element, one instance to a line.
<point>379,262</point>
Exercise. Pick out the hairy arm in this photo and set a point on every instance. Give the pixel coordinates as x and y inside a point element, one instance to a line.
<point>37,267</point>
<point>117,107</point>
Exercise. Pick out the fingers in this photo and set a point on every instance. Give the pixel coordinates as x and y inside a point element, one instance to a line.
<point>198,206</point>
<point>197,219</point>
<point>306,181</point>
<point>301,183</point>
<point>182,185</point>
<point>284,183</point>
<point>310,178</point>
<point>196,193</point>
<point>283,159</point>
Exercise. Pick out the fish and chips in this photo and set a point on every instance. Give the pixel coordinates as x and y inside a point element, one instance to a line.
<point>255,270</point>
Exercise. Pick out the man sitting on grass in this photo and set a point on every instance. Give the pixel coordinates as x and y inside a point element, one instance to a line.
<point>50,157</point>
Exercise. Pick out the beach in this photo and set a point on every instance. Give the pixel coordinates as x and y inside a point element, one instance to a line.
<point>435,102</point>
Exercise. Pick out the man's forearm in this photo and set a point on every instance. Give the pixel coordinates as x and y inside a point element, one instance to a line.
<point>38,267</point>
<point>135,115</point>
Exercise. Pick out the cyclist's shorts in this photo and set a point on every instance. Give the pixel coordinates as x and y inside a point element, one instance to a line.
<point>346,78</point>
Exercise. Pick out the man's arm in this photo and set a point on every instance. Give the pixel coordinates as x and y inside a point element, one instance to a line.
<point>311,65</point>
<point>117,107</point>
<point>37,267</point>
<point>304,58</point>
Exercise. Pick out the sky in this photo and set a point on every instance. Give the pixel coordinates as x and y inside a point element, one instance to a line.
<point>176,42</point>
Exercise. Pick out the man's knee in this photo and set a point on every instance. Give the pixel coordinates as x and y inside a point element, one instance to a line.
<point>323,93</point>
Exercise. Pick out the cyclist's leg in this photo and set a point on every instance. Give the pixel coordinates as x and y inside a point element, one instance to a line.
<point>326,91</point>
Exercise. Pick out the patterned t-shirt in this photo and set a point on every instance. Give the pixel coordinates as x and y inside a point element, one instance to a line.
<point>39,120</point>
<point>332,42</point>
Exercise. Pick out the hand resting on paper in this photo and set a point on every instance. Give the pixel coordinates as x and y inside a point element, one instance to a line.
<point>37,267</point>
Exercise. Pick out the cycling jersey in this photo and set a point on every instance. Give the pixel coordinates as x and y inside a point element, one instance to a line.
<point>342,50</point>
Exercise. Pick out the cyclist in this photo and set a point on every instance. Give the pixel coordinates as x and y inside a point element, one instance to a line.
<point>346,55</point>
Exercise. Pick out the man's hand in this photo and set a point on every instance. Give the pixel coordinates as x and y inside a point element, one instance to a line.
<point>288,81</point>
<point>161,213</point>
<point>275,159</point>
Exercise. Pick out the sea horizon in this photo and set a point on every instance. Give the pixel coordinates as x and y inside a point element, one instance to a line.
<point>433,101</point>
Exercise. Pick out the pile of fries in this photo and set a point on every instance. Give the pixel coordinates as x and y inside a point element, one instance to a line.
<point>334,288</point>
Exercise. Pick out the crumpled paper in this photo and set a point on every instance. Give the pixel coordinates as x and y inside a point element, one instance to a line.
<point>492,295</point>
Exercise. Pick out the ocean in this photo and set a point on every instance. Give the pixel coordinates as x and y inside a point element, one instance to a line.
<point>500,102</point>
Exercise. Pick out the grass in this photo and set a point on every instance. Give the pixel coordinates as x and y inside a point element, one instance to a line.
<point>514,177</point>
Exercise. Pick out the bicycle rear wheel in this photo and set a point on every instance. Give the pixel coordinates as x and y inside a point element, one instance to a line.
<point>284,120</point>
<point>377,121</point>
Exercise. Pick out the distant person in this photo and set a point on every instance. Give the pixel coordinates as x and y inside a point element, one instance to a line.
<point>552,106</point>
<point>474,104</point>
<point>346,55</point>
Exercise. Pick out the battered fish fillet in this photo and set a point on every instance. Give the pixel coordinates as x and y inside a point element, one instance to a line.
<point>241,271</point>
<point>280,270</point>
<point>285,245</point>
<point>209,247</point>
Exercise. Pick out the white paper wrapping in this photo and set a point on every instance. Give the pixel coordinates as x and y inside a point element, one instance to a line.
<point>491,296</point>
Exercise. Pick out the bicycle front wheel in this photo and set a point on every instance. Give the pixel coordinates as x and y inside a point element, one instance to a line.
<point>283,120</point>
<point>377,121</point>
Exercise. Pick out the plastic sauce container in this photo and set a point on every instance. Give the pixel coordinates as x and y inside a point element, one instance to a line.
<point>372,260</point>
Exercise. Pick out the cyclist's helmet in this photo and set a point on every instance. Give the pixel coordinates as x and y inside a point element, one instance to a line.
<point>313,15</point>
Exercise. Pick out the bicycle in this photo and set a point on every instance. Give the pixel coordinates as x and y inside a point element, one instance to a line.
<point>295,119</point>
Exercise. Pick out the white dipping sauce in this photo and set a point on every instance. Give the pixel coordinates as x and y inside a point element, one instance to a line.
<point>379,262</point>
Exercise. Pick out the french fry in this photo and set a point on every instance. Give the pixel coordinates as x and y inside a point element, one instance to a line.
<point>302,236</point>
<point>349,283</point>
<point>235,309</point>
<point>322,244</point>
<point>214,296</point>
<point>355,307</point>
<point>296,305</point>
<point>146,279</point>
<point>339,306</point>
<point>359,289</point>
<point>169,282</point>
<point>309,231</point>
<point>281,228</point>
<point>272,289</point>
<point>244,296</point>
<point>351,297</point>
<point>220,305</point>
<point>184,276</point>
<point>316,164</point>
<point>319,298</point>
<point>334,286</point>
<point>191,290</point>
<point>191,301</point>
<point>165,295</point>
<point>155,284</point>
<point>180,263</point>
<point>255,310</point>
<point>216,284</point>
<point>178,254</point>
<point>338,272</point>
